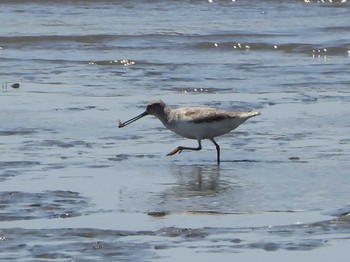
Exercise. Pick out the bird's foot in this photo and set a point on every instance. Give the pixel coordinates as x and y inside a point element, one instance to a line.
<point>176,150</point>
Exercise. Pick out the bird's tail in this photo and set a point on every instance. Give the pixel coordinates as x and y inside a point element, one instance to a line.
<point>250,114</point>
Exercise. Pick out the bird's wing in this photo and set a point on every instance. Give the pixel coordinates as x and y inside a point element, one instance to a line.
<point>204,114</point>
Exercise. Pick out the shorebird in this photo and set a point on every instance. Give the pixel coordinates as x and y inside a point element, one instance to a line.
<point>194,122</point>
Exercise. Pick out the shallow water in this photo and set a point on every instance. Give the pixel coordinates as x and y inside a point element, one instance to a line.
<point>74,187</point>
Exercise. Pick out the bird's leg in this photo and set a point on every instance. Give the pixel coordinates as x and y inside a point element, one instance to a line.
<point>180,148</point>
<point>217,149</point>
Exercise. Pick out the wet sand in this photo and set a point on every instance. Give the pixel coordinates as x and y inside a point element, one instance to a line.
<point>74,187</point>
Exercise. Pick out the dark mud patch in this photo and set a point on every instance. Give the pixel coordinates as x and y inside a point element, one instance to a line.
<point>16,132</point>
<point>49,204</point>
<point>89,244</point>
<point>12,168</point>
<point>62,144</point>
<point>83,108</point>
<point>241,161</point>
<point>92,244</point>
<point>122,157</point>
<point>17,164</point>
<point>72,245</point>
<point>58,143</point>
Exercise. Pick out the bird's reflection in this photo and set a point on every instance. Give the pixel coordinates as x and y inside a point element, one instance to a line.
<point>196,181</point>
<point>195,188</point>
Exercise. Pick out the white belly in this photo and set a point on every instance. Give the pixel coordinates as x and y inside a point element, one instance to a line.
<point>203,130</point>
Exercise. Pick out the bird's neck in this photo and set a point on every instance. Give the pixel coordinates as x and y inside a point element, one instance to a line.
<point>164,116</point>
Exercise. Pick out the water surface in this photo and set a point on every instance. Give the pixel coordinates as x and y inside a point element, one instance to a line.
<point>74,187</point>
